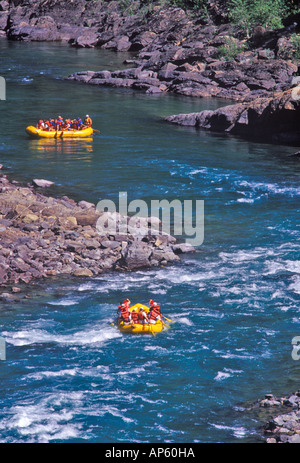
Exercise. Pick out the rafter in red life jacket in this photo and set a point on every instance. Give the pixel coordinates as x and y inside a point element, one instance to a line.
<point>134,317</point>
<point>125,314</point>
<point>155,311</point>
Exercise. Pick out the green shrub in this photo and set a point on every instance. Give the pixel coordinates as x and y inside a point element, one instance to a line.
<point>250,13</point>
<point>295,41</point>
<point>230,49</point>
<point>128,6</point>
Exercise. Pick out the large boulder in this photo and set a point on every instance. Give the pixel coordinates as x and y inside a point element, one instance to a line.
<point>136,256</point>
<point>86,39</point>
<point>274,118</point>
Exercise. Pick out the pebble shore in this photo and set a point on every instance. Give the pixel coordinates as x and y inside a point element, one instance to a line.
<point>284,427</point>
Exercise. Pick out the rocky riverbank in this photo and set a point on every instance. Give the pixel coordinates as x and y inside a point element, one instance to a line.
<point>284,426</point>
<point>186,57</point>
<point>275,119</point>
<point>44,236</point>
<point>173,50</point>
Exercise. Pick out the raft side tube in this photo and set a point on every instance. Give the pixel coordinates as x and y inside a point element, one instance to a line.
<point>33,132</point>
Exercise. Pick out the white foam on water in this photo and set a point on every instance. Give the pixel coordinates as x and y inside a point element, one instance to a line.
<point>237,431</point>
<point>114,411</point>
<point>273,267</point>
<point>183,321</point>
<point>241,255</point>
<point>277,294</point>
<point>26,80</point>
<point>295,286</point>
<point>52,374</point>
<point>137,370</point>
<point>157,291</point>
<point>158,349</point>
<point>245,200</point>
<point>222,375</point>
<point>85,287</point>
<point>64,302</point>
<point>96,336</point>
<point>270,188</point>
<point>126,282</point>
<point>229,355</point>
<point>266,331</point>
<point>49,418</point>
<point>198,171</point>
<point>210,313</point>
<point>226,373</point>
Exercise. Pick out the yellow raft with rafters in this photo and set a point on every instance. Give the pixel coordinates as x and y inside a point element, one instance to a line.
<point>139,328</point>
<point>33,132</point>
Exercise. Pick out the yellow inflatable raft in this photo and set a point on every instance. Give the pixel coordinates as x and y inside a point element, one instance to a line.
<point>33,132</point>
<point>138,328</point>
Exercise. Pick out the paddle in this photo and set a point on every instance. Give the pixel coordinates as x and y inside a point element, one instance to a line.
<point>168,319</point>
<point>115,321</point>
<point>151,330</point>
<point>98,131</point>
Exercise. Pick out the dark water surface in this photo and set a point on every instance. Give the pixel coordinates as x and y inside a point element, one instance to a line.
<point>70,376</point>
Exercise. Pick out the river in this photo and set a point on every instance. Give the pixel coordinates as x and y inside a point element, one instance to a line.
<point>69,375</point>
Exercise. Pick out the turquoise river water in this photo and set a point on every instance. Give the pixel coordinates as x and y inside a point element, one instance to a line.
<point>69,375</point>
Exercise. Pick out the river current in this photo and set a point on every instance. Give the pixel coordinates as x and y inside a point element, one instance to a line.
<point>69,375</point>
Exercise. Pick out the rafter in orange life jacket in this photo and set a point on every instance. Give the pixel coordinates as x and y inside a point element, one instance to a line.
<point>155,311</point>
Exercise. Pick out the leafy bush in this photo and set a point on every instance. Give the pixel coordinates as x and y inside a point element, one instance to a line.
<point>250,13</point>
<point>128,6</point>
<point>230,49</point>
<point>295,41</point>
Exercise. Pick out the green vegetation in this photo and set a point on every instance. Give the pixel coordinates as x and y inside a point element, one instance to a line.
<point>198,6</point>
<point>246,14</point>
<point>185,4</point>
<point>129,6</point>
<point>295,41</point>
<point>251,13</point>
<point>190,4</point>
<point>145,6</point>
<point>231,48</point>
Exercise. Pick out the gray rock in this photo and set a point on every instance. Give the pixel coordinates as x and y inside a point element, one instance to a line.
<point>86,204</point>
<point>183,248</point>
<point>110,244</point>
<point>137,255</point>
<point>91,244</point>
<point>295,439</point>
